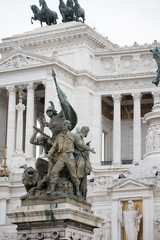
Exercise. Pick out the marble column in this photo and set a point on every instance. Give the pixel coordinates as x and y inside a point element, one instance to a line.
<point>156,97</point>
<point>117,129</point>
<point>3,210</point>
<point>50,95</point>
<point>137,127</point>
<point>19,134</point>
<point>11,125</point>
<point>95,130</point>
<point>29,120</point>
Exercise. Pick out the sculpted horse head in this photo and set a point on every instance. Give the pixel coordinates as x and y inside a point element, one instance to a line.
<point>42,3</point>
<point>35,9</point>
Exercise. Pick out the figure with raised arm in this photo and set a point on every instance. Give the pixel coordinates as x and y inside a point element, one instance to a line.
<point>64,146</point>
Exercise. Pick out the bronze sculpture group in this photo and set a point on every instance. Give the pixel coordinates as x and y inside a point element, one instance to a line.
<point>70,11</point>
<point>156,56</point>
<point>63,168</point>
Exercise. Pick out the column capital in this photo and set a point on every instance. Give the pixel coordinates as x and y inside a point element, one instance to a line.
<point>48,81</point>
<point>117,97</point>
<point>156,94</point>
<point>20,107</point>
<point>11,89</point>
<point>31,86</point>
<point>137,96</point>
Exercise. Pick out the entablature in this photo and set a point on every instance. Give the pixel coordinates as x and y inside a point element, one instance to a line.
<point>57,33</point>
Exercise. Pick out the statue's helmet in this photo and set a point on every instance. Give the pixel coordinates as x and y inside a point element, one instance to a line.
<point>85,129</point>
<point>51,108</point>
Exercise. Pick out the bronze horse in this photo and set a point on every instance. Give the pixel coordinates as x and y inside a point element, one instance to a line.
<point>51,16</point>
<point>66,11</point>
<point>78,11</point>
<point>37,15</point>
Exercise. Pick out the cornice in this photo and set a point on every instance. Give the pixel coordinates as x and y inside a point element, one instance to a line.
<point>56,33</point>
<point>128,50</point>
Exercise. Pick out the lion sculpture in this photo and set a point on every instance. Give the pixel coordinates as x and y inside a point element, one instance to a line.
<point>29,178</point>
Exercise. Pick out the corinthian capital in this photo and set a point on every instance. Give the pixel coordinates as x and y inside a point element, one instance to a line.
<point>47,82</point>
<point>156,94</point>
<point>117,97</point>
<point>31,87</point>
<point>136,96</point>
<point>11,89</point>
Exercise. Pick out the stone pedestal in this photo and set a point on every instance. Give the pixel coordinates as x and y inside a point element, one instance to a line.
<point>150,163</point>
<point>152,119</point>
<point>64,219</point>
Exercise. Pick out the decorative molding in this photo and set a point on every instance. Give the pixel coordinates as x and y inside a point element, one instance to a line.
<point>53,34</point>
<point>130,184</point>
<point>19,60</point>
<point>100,184</point>
<point>124,85</point>
<point>8,236</point>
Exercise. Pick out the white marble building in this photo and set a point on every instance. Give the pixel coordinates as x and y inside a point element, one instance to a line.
<point>110,88</point>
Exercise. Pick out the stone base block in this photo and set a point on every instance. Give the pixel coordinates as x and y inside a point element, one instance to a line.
<point>59,203</point>
<point>61,221</point>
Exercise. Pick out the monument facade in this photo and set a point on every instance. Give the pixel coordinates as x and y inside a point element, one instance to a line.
<point>111,90</point>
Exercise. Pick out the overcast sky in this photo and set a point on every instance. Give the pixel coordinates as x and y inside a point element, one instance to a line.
<point>122,21</point>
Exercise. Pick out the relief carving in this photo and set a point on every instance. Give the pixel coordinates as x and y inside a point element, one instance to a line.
<point>153,139</point>
<point>19,61</point>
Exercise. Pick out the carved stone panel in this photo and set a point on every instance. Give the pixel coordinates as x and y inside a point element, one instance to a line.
<point>107,65</point>
<point>126,64</point>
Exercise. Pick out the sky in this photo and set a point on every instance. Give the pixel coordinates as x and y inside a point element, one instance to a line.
<point>122,21</point>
